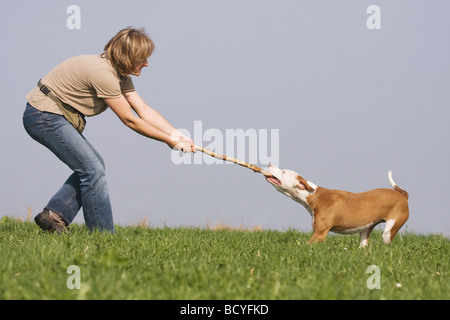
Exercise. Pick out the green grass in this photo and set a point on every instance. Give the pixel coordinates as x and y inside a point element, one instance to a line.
<point>195,263</point>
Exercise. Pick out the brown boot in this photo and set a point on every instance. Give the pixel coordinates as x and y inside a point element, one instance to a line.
<point>48,220</point>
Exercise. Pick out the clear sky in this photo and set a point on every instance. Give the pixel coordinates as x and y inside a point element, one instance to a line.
<point>336,101</point>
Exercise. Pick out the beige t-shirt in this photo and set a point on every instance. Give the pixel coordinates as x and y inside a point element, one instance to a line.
<point>82,82</point>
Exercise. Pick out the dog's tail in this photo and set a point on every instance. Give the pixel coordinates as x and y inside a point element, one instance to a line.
<point>394,185</point>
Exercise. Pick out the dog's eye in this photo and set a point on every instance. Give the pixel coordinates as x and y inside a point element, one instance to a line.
<point>284,171</point>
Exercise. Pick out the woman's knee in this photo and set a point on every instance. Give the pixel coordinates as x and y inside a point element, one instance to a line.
<point>92,173</point>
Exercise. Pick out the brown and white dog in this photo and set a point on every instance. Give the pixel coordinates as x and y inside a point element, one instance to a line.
<point>342,211</point>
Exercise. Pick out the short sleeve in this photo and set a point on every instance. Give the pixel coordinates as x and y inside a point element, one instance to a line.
<point>105,84</point>
<point>127,84</point>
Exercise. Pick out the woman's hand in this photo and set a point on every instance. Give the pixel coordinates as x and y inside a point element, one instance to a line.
<point>180,142</point>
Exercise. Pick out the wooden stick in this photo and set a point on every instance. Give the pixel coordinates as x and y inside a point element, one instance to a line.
<point>236,161</point>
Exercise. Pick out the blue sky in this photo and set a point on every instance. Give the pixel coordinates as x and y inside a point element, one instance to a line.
<point>349,104</point>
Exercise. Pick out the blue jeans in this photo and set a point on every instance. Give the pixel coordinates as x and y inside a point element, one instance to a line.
<point>86,187</point>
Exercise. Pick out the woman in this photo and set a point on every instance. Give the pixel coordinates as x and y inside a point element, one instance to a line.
<point>86,86</point>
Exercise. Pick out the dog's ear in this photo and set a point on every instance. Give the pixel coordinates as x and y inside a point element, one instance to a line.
<point>303,184</point>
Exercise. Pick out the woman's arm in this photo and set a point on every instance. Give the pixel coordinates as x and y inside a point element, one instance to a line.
<point>155,119</point>
<point>149,123</point>
<point>148,114</point>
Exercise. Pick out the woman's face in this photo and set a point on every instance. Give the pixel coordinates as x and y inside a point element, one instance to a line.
<point>137,71</point>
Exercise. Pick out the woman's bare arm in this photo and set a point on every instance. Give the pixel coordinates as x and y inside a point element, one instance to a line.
<point>148,123</point>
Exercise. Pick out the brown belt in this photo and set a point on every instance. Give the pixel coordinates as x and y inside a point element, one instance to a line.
<point>71,114</point>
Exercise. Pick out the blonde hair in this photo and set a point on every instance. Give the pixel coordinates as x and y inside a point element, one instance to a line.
<point>128,48</point>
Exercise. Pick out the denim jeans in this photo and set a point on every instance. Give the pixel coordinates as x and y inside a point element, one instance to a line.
<point>86,187</point>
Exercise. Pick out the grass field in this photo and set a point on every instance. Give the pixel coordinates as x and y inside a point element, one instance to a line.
<point>195,263</point>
